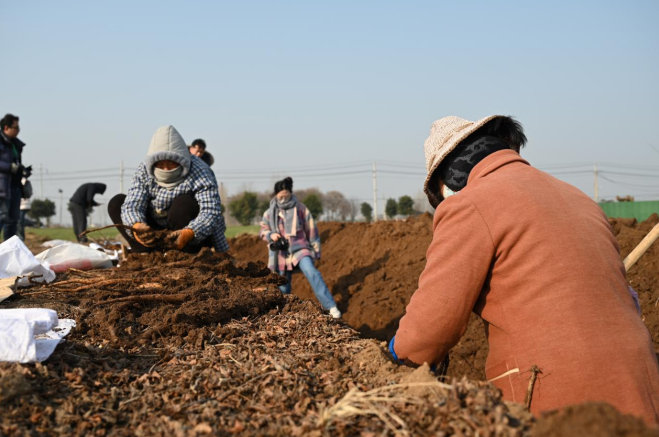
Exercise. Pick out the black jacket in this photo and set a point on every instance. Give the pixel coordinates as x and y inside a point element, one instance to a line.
<point>7,158</point>
<point>84,195</point>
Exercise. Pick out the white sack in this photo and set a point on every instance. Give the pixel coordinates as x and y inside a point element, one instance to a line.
<point>53,243</point>
<point>73,255</point>
<point>17,260</point>
<point>28,335</point>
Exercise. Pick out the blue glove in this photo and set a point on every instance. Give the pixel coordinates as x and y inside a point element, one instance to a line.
<point>443,367</point>
<point>392,351</point>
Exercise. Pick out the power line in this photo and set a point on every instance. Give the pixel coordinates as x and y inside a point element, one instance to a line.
<point>640,175</point>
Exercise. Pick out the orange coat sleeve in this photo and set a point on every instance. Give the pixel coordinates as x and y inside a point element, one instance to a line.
<point>457,264</point>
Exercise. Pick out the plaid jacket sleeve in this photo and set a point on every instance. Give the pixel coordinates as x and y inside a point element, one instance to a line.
<point>209,222</point>
<point>265,226</point>
<point>312,232</point>
<point>135,206</point>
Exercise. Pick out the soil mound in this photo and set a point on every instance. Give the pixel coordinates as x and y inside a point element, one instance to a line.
<point>591,419</point>
<point>160,297</point>
<point>296,372</point>
<point>644,275</point>
<point>373,269</point>
<point>174,344</point>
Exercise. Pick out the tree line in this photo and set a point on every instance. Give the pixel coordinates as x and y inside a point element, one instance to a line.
<point>248,206</point>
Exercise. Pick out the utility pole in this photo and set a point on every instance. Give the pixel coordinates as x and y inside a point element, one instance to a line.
<point>597,191</point>
<point>61,206</point>
<point>375,192</point>
<point>121,177</point>
<point>41,181</point>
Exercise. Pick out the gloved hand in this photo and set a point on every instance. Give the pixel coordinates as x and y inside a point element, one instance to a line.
<point>437,370</point>
<point>393,352</point>
<point>144,234</point>
<point>15,168</point>
<point>181,238</point>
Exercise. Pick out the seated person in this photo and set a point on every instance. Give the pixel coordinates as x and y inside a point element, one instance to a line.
<point>174,190</point>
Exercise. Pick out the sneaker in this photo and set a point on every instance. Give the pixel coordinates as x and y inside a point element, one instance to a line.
<point>335,313</point>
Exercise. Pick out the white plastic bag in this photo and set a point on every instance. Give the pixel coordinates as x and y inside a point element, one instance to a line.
<point>28,335</point>
<point>53,243</point>
<point>113,254</point>
<point>73,255</point>
<point>17,260</point>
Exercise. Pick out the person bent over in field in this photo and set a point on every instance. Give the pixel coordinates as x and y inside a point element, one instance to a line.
<point>536,259</point>
<point>173,190</point>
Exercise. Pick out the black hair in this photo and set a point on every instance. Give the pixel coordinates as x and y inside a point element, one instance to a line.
<point>8,121</point>
<point>505,128</point>
<point>199,142</point>
<point>208,158</point>
<point>284,184</point>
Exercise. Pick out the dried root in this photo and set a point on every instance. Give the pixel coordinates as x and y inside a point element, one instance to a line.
<point>167,298</point>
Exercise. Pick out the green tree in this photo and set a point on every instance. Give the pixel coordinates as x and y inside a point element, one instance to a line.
<point>367,211</point>
<point>244,207</point>
<point>42,208</point>
<point>264,204</point>
<point>314,204</point>
<point>391,208</point>
<point>406,205</point>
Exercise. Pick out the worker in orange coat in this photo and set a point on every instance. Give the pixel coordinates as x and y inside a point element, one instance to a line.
<point>536,259</point>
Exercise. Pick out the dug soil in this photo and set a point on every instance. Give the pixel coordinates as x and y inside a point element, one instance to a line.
<point>372,270</point>
<point>182,345</point>
<point>174,344</point>
<point>644,276</point>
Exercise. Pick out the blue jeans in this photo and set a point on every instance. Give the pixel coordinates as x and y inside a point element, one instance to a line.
<point>315,280</point>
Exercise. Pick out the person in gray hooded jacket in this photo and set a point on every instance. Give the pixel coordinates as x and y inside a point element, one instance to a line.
<point>172,190</point>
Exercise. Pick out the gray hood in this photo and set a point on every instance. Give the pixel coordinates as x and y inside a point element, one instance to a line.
<point>167,144</point>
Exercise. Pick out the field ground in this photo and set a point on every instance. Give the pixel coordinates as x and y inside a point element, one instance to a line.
<point>209,346</point>
<point>67,233</point>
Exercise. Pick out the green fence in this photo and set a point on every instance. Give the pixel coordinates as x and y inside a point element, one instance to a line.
<point>638,210</point>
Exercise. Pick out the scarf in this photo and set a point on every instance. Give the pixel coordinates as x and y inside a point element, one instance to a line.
<point>168,179</point>
<point>454,170</point>
<point>290,216</point>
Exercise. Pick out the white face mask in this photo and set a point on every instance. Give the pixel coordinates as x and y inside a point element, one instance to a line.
<point>282,200</point>
<point>168,178</point>
<point>447,192</point>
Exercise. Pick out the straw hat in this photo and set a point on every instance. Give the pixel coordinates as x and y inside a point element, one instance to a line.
<point>445,134</point>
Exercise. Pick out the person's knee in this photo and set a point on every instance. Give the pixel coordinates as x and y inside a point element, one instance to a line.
<point>186,202</point>
<point>307,266</point>
<point>114,207</point>
<point>184,209</point>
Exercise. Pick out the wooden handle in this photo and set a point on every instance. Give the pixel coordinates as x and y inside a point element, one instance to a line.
<point>642,247</point>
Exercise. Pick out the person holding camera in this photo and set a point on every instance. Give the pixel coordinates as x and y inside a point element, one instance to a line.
<point>294,243</point>
<point>12,172</point>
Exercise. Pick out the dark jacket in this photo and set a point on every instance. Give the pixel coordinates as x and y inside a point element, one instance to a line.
<point>7,157</point>
<point>84,195</point>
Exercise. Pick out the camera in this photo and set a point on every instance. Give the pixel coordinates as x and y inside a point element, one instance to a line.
<point>280,244</point>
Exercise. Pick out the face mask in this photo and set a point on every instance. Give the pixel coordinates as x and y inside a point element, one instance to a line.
<point>447,192</point>
<point>283,200</point>
<point>168,178</point>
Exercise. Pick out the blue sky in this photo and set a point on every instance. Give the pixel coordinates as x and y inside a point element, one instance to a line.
<point>307,89</point>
